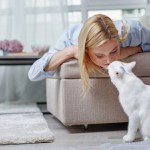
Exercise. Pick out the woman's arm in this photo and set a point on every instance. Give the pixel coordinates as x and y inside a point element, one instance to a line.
<point>61,56</point>
<point>63,50</point>
<point>128,51</point>
<point>51,60</point>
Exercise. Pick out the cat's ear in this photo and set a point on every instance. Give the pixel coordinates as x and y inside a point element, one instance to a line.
<point>131,65</point>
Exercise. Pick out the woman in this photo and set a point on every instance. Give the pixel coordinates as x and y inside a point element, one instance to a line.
<point>96,43</point>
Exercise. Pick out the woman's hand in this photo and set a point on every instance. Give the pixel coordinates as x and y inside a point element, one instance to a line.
<point>128,51</point>
<point>61,56</point>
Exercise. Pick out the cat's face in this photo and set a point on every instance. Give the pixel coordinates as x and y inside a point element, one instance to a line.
<point>117,69</point>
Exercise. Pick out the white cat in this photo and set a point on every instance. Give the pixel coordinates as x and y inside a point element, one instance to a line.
<point>134,97</point>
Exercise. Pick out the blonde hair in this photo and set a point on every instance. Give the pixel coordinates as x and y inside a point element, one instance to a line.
<point>95,31</point>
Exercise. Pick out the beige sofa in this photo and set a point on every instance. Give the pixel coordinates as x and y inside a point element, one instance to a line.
<point>100,105</point>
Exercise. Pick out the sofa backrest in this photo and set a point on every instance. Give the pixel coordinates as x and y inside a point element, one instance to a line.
<point>70,68</point>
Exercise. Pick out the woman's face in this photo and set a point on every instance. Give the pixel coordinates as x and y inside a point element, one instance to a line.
<point>105,53</point>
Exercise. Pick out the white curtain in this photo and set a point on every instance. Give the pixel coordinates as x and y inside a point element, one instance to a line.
<point>33,22</point>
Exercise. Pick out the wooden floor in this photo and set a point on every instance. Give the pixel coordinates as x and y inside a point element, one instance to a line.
<point>74,136</point>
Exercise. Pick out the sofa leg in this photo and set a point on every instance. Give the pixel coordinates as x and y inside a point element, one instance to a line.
<point>85,126</point>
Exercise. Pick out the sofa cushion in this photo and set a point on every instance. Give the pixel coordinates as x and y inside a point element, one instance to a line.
<point>70,68</point>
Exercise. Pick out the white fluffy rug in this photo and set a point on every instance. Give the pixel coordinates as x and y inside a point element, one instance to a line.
<point>23,123</point>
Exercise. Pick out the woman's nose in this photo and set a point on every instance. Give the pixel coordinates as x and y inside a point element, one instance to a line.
<point>108,60</point>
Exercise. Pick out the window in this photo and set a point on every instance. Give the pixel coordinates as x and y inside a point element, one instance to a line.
<point>120,14</point>
<point>73,2</point>
<point>74,18</point>
<point>132,13</point>
<point>115,9</point>
<point>114,14</point>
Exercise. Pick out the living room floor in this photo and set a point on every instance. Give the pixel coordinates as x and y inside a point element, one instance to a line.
<point>74,136</point>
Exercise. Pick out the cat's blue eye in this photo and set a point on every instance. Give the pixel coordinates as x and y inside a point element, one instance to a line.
<point>122,69</point>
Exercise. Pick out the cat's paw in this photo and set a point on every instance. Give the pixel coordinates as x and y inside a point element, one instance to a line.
<point>128,138</point>
<point>146,139</point>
